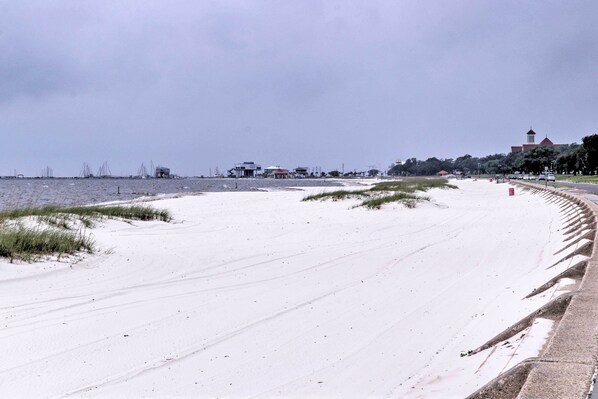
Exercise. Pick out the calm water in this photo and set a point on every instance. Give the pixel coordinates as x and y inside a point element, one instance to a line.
<point>21,193</point>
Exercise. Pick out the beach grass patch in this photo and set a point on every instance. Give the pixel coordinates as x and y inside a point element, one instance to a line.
<point>402,191</point>
<point>54,215</point>
<point>412,185</point>
<point>61,221</point>
<point>25,243</point>
<point>60,228</point>
<point>410,200</point>
<point>135,212</point>
<point>337,195</point>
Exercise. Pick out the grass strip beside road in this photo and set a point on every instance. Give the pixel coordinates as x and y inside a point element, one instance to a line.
<point>590,179</point>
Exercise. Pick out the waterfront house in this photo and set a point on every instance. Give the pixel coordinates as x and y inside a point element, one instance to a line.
<point>276,172</point>
<point>245,169</point>
<point>300,171</point>
<point>280,174</point>
<point>162,172</point>
<point>268,172</point>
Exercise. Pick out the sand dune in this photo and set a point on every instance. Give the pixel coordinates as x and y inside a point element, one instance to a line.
<point>261,295</point>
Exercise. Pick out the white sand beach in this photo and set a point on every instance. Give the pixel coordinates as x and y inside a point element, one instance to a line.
<point>258,294</point>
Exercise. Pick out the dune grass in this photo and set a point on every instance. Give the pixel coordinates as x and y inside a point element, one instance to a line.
<point>337,195</point>
<point>60,229</point>
<point>408,199</point>
<point>96,212</point>
<point>25,243</point>
<point>412,185</point>
<point>402,191</point>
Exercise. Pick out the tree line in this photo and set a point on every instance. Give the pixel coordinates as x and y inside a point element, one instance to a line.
<point>567,159</point>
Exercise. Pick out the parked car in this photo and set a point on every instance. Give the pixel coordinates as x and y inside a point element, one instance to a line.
<point>550,177</point>
<point>542,176</point>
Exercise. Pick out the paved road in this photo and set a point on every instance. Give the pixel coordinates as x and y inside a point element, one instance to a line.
<point>590,189</point>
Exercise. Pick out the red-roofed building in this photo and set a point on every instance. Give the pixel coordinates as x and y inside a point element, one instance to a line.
<point>531,145</point>
<point>280,173</point>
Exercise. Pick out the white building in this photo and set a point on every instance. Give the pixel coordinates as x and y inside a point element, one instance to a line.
<point>246,169</point>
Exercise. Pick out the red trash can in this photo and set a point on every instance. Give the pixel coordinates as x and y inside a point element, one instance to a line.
<point>511,191</point>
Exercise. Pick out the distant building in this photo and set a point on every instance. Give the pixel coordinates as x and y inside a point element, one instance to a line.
<point>280,174</point>
<point>268,172</point>
<point>162,172</point>
<point>301,171</point>
<point>531,145</point>
<point>245,169</point>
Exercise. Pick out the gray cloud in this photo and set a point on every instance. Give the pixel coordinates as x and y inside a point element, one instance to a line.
<point>320,83</point>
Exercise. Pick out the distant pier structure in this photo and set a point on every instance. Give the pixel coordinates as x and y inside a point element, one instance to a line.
<point>162,172</point>
<point>47,172</point>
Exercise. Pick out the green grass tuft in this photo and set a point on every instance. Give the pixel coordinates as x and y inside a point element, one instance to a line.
<point>27,244</point>
<point>53,214</point>
<point>386,192</point>
<point>412,185</point>
<point>61,221</point>
<point>337,195</point>
<point>407,199</point>
<point>135,212</point>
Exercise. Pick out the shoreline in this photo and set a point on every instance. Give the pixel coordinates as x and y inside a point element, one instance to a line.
<point>28,193</point>
<point>281,270</point>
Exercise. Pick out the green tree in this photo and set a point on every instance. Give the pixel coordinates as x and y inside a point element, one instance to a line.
<point>590,146</point>
<point>430,167</point>
<point>405,169</point>
<point>571,159</point>
<point>536,159</point>
<point>513,162</point>
<point>491,164</point>
<point>467,164</point>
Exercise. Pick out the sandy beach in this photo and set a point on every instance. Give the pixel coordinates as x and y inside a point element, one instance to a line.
<point>258,294</point>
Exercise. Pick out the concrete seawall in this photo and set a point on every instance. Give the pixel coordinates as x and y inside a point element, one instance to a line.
<point>565,367</point>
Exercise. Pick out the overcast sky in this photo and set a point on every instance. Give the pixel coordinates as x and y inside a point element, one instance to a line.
<point>200,84</point>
